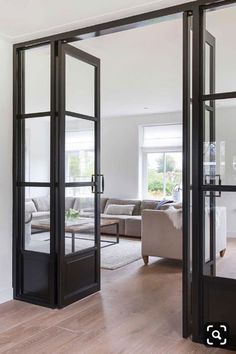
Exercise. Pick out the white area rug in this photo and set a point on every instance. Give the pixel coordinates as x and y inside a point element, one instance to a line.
<point>112,257</point>
<point>121,254</point>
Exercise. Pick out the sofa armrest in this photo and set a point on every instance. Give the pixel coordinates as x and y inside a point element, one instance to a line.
<point>159,236</point>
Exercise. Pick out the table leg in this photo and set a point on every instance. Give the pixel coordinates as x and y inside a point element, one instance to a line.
<point>73,242</point>
<point>117,232</point>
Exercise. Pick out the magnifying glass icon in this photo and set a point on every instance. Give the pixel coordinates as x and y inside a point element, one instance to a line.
<point>216,334</point>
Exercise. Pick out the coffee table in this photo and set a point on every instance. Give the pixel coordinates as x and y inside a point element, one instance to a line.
<point>83,224</point>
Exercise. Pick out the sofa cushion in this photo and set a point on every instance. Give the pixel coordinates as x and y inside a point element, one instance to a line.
<point>149,204</point>
<point>42,203</point>
<point>164,203</point>
<point>69,203</point>
<point>41,215</point>
<point>112,229</point>
<point>136,204</point>
<point>114,209</point>
<point>133,226</point>
<point>30,207</point>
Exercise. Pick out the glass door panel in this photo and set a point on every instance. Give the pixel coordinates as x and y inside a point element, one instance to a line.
<point>37,149</point>
<point>37,219</point>
<point>79,219</point>
<point>219,154</point>
<point>37,79</point>
<point>80,86</point>
<point>34,196</point>
<point>80,110</point>
<point>221,24</point>
<point>79,150</point>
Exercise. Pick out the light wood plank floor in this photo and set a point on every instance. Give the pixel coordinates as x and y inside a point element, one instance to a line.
<point>137,311</point>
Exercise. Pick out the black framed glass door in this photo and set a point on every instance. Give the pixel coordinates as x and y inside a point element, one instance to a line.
<point>34,175</point>
<point>214,187</point>
<point>79,175</point>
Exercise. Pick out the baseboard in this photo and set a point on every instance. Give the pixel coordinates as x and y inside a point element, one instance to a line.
<point>6,295</point>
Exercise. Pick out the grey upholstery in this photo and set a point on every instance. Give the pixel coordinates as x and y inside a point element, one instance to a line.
<point>148,204</point>
<point>129,225</point>
<point>133,226</point>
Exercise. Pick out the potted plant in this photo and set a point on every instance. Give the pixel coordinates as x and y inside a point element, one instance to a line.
<point>72,215</point>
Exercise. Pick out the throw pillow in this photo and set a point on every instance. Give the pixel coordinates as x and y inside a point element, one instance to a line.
<point>115,209</point>
<point>163,202</point>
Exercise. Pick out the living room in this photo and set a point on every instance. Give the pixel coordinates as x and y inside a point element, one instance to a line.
<point>123,181</point>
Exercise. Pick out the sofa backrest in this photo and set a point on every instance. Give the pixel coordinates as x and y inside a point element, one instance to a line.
<point>135,202</point>
<point>83,203</point>
<point>149,204</point>
<point>175,205</point>
<point>103,202</point>
<point>42,203</point>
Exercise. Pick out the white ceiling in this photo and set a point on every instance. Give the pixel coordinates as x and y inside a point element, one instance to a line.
<point>26,19</point>
<point>141,69</point>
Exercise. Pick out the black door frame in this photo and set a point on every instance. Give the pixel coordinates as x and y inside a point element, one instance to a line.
<point>192,8</point>
<point>206,286</point>
<point>89,256</point>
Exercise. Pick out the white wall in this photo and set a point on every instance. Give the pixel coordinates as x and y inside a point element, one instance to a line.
<point>120,151</point>
<point>6,172</point>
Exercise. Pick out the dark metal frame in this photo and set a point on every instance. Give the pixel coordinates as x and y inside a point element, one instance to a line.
<point>195,9</point>
<point>202,284</point>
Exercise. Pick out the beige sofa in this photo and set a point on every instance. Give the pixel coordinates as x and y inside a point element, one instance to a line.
<point>160,238</point>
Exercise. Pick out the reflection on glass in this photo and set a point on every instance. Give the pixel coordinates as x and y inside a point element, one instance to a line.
<point>221,24</point>
<point>164,173</point>
<point>37,150</point>
<point>207,229</point>
<point>37,79</point>
<point>223,220</point>
<point>79,154</point>
<point>80,89</point>
<point>219,154</point>
<point>79,219</point>
<point>207,69</point>
<point>37,219</point>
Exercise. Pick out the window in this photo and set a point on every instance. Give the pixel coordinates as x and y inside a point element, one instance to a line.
<point>161,160</point>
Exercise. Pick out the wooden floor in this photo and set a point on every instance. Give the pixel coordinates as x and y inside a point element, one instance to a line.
<point>137,311</point>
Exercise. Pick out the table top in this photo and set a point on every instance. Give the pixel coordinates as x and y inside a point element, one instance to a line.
<point>74,226</point>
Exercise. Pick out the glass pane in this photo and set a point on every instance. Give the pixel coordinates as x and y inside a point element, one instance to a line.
<point>37,150</point>
<point>79,154</point>
<point>80,89</point>
<point>221,24</point>
<point>37,79</point>
<point>219,155</point>
<point>173,177</point>
<point>164,175</point>
<point>79,219</point>
<point>223,221</point>
<point>155,175</point>
<point>37,219</point>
